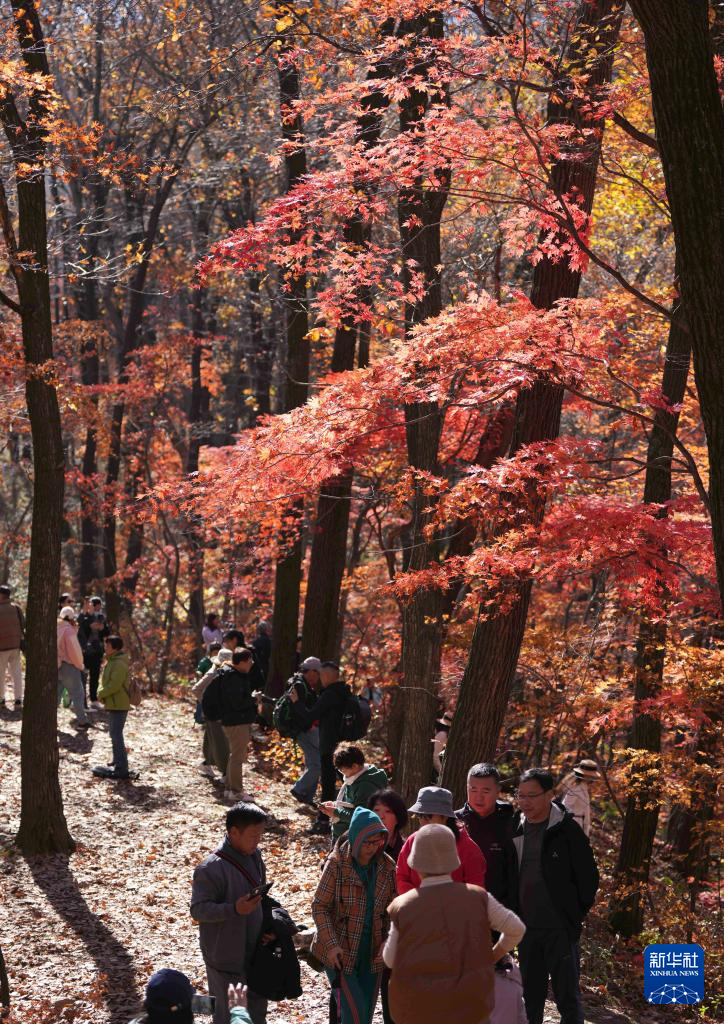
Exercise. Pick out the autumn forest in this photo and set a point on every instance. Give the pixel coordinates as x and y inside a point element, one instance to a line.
<point>399,325</point>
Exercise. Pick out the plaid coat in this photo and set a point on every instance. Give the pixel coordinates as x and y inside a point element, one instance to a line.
<point>338,908</point>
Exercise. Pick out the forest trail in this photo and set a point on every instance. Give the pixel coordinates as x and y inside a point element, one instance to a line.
<point>90,929</point>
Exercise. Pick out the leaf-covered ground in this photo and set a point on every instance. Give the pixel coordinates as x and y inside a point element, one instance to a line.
<point>82,934</point>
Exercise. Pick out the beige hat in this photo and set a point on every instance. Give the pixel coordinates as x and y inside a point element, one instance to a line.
<point>67,613</point>
<point>223,657</point>
<point>434,851</point>
<point>587,769</point>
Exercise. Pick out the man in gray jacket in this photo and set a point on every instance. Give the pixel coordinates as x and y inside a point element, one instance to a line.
<point>229,920</point>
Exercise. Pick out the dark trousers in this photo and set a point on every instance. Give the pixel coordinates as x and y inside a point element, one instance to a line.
<point>551,953</point>
<point>93,663</point>
<point>386,1015</point>
<point>116,724</point>
<point>329,776</point>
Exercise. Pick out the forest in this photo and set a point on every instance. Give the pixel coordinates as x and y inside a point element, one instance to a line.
<point>398,326</point>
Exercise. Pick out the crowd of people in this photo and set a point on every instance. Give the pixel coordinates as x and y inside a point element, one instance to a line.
<point>427,921</point>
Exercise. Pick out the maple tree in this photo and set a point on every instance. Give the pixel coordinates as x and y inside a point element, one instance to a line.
<point>375,319</point>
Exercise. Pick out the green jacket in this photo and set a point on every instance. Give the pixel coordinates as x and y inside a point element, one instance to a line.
<point>113,691</point>
<point>358,793</point>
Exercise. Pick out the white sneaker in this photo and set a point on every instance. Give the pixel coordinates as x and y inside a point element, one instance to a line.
<point>206,770</point>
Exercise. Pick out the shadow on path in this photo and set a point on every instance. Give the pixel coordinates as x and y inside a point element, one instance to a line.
<point>53,875</point>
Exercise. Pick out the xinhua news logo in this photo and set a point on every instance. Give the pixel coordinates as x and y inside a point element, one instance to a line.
<point>673,973</point>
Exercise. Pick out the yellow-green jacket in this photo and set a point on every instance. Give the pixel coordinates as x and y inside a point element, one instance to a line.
<point>113,691</point>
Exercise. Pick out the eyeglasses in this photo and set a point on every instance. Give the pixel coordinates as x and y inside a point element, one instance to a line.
<point>530,796</point>
<point>377,841</point>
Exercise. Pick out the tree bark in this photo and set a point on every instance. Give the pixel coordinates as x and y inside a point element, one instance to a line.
<point>690,135</point>
<point>490,670</point>
<point>642,805</point>
<point>43,828</point>
<point>320,633</point>
<point>419,211</point>
<point>288,577</point>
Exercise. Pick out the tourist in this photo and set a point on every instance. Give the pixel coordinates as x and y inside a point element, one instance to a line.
<point>70,665</point>
<point>434,806</point>
<point>391,808</point>
<point>12,638</point>
<point>360,781</point>
<point>307,684</point>
<point>573,792</point>
<point>327,711</point>
<point>92,631</point>
<point>350,914</point>
<point>113,694</point>
<point>557,885</point>
<point>439,947</point>
<point>229,699</point>
<point>489,821</point>
<point>211,632</point>
<point>230,919</point>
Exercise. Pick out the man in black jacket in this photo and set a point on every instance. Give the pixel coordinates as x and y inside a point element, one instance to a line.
<point>92,631</point>
<point>557,884</point>
<point>229,698</point>
<point>489,822</point>
<point>327,710</point>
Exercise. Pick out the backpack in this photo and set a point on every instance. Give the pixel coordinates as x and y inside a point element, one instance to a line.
<point>211,700</point>
<point>135,693</point>
<point>283,715</point>
<point>356,717</point>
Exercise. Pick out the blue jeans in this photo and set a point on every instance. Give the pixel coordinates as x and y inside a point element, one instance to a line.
<point>306,784</point>
<point>116,723</point>
<point>71,679</point>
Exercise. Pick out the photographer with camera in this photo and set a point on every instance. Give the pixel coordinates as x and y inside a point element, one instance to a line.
<point>225,904</point>
<point>171,999</point>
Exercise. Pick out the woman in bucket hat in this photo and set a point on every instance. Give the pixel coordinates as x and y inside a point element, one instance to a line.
<point>434,805</point>
<point>573,792</point>
<point>439,947</point>
<point>350,915</point>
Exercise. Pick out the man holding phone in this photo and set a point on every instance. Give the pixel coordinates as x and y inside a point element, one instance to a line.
<point>226,902</point>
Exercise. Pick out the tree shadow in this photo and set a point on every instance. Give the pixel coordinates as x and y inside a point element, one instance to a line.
<point>53,875</point>
<point>76,743</point>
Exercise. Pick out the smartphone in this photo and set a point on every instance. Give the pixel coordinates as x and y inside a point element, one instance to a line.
<point>203,1004</point>
<point>261,890</point>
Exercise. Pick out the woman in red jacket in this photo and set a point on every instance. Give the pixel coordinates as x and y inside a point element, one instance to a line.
<point>434,806</point>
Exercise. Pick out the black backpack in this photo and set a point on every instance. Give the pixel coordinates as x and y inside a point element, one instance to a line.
<point>211,700</point>
<point>283,714</point>
<point>356,717</point>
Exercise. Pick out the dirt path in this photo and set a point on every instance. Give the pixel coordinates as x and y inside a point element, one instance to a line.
<point>91,928</point>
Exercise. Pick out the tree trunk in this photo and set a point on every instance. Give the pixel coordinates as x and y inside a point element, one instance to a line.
<point>489,673</point>
<point>43,827</point>
<point>320,632</point>
<point>199,401</point>
<point>288,578</point>
<point>690,135</point>
<point>419,211</point>
<point>642,805</point>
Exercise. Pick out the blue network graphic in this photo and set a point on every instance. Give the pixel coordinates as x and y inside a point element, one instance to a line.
<point>674,994</point>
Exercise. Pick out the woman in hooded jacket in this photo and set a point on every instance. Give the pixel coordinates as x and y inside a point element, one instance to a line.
<point>350,915</point>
